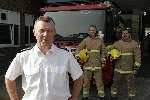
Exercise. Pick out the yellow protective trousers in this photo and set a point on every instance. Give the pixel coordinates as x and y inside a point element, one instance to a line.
<point>97,74</point>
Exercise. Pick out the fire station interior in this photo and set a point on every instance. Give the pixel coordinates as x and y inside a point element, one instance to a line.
<point>112,16</point>
<point>121,14</point>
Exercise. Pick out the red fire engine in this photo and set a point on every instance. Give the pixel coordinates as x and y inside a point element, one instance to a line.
<point>71,45</point>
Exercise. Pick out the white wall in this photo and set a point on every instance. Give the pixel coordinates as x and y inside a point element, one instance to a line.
<point>147,31</point>
<point>11,17</point>
<point>74,22</point>
<point>29,20</point>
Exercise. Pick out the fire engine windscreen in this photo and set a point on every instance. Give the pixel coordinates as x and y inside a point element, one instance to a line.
<point>75,22</point>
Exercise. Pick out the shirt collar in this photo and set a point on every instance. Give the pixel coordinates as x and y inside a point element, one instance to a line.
<point>38,51</point>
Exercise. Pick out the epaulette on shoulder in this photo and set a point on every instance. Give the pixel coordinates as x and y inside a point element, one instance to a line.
<point>25,49</point>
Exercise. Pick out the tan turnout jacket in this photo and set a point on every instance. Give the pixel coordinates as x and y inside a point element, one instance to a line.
<point>130,56</point>
<point>97,51</point>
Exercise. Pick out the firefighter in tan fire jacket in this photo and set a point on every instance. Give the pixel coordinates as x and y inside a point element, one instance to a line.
<point>127,64</point>
<point>96,49</point>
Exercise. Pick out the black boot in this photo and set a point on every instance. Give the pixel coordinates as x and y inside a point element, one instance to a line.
<point>85,98</point>
<point>131,98</point>
<point>113,98</point>
<point>101,98</point>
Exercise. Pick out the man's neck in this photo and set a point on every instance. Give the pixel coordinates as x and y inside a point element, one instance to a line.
<point>92,37</point>
<point>44,48</point>
<point>126,40</point>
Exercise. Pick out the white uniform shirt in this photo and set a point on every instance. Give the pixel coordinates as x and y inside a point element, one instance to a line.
<point>44,77</point>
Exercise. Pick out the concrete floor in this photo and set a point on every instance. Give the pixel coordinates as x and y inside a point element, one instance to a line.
<point>142,85</point>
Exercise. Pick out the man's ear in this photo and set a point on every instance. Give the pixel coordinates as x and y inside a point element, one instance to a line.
<point>34,32</point>
<point>55,31</point>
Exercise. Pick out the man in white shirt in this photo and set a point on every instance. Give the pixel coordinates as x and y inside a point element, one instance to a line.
<point>44,68</point>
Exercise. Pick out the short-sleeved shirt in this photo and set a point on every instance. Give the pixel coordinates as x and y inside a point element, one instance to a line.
<point>44,77</point>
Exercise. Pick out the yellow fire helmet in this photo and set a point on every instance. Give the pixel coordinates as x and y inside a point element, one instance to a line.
<point>83,55</point>
<point>115,53</point>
